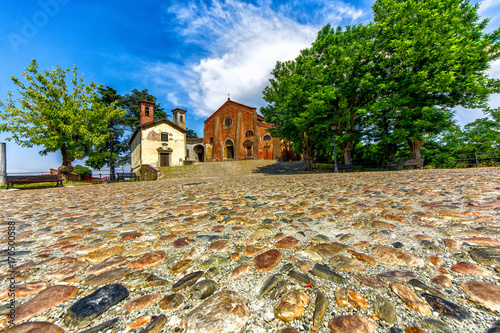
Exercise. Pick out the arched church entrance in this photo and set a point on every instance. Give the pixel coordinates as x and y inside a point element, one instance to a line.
<point>200,153</point>
<point>228,149</point>
<point>248,148</point>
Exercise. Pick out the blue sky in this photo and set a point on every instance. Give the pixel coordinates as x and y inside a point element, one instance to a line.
<point>189,54</point>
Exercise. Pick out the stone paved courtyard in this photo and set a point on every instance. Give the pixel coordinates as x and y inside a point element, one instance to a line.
<point>256,246</point>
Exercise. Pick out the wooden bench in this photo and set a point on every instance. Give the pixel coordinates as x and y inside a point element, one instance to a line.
<point>129,175</point>
<point>11,180</point>
<point>416,162</point>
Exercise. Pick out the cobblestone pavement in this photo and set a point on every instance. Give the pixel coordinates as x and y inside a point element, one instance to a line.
<point>256,246</point>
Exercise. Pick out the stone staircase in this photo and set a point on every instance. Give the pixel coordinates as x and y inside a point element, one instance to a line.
<point>228,169</point>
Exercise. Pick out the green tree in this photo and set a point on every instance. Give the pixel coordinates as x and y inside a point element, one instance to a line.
<point>130,103</point>
<point>432,56</point>
<point>286,99</point>
<point>481,135</point>
<point>100,155</point>
<point>191,134</point>
<point>326,87</point>
<point>121,127</point>
<point>343,69</point>
<point>56,114</point>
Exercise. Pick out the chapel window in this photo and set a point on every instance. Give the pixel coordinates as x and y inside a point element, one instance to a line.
<point>228,121</point>
<point>164,136</point>
<point>147,111</point>
<point>267,138</point>
<point>248,133</point>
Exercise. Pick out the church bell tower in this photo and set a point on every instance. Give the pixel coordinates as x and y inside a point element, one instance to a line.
<point>179,117</point>
<point>147,110</point>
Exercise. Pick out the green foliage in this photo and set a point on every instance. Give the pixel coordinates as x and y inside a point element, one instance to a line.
<point>130,103</point>
<point>390,85</point>
<point>56,114</point>
<point>325,87</point>
<point>433,56</point>
<point>100,155</point>
<point>82,171</point>
<point>121,127</point>
<point>191,134</point>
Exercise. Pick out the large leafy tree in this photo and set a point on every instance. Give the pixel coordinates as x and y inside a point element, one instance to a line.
<point>286,99</point>
<point>344,75</point>
<point>325,88</point>
<point>100,156</point>
<point>130,103</point>
<point>58,113</point>
<point>481,135</point>
<point>121,127</point>
<point>432,56</point>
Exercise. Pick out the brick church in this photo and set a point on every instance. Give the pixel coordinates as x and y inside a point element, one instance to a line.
<point>235,132</point>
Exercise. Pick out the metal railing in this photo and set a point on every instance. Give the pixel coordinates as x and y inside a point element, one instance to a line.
<point>467,160</point>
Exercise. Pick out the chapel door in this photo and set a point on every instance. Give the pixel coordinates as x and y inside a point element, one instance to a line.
<point>249,151</point>
<point>230,152</point>
<point>164,159</point>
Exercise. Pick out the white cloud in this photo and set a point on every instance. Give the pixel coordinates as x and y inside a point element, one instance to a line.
<point>490,9</point>
<point>494,70</point>
<point>172,98</point>
<point>244,42</point>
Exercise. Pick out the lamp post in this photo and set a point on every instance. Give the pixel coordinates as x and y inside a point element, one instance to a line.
<point>335,165</point>
<point>111,162</point>
<point>3,165</point>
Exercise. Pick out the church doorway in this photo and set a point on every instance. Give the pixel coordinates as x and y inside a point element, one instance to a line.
<point>200,152</point>
<point>248,144</point>
<point>229,149</point>
<point>164,159</point>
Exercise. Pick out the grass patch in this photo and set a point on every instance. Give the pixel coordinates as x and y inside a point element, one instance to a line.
<point>324,166</point>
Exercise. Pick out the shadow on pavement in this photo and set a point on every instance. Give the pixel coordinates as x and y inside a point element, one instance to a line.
<point>284,168</point>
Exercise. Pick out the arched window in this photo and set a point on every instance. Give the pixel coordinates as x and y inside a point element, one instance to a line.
<point>187,153</point>
<point>228,121</point>
<point>267,138</point>
<point>212,140</point>
<point>248,133</point>
<point>182,119</point>
<point>147,111</point>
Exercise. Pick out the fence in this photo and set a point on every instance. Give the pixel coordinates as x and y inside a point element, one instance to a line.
<point>467,160</point>
<point>96,174</point>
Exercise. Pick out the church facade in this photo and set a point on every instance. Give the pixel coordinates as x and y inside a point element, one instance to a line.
<point>158,142</point>
<point>235,132</point>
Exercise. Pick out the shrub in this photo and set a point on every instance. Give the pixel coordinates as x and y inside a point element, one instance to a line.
<point>82,171</point>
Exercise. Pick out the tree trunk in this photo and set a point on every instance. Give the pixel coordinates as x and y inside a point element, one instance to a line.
<point>347,151</point>
<point>65,169</point>
<point>392,152</point>
<point>307,152</point>
<point>309,161</point>
<point>415,149</point>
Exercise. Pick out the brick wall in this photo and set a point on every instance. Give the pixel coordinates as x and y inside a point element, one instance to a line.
<point>229,126</point>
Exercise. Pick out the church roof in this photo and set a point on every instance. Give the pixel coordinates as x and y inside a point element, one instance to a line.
<point>155,122</point>
<point>243,106</point>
